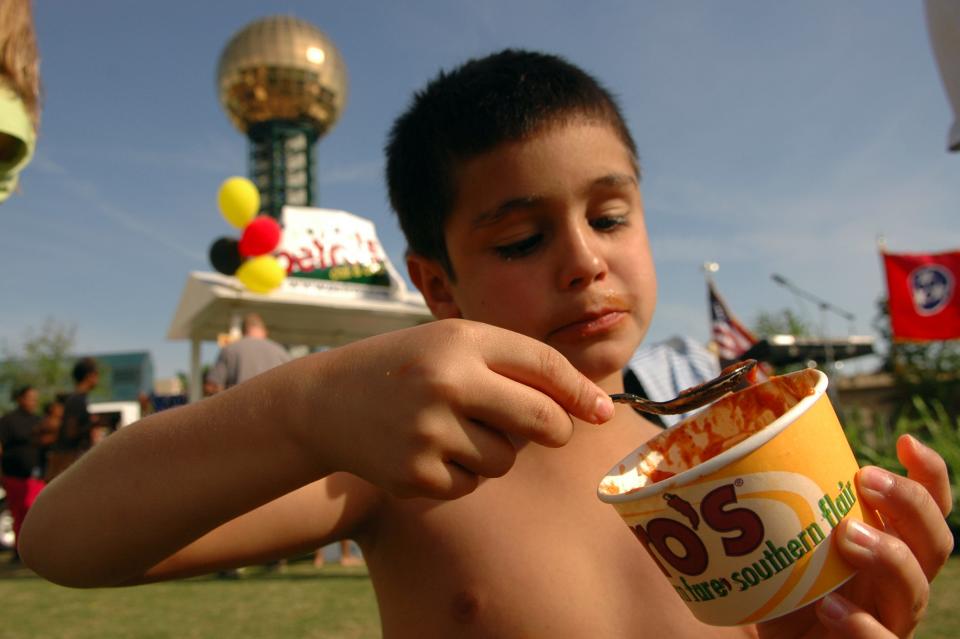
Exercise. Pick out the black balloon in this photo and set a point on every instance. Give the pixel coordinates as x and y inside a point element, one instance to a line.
<point>225,255</point>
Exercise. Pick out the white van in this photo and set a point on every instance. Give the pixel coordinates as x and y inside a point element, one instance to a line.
<point>115,415</point>
<point>7,538</point>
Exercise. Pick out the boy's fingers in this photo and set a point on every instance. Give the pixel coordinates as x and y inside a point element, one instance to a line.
<point>436,479</point>
<point>518,410</point>
<point>484,451</point>
<point>457,482</point>
<point>925,466</point>
<point>846,619</point>
<point>898,583</point>
<point>544,368</point>
<point>911,512</point>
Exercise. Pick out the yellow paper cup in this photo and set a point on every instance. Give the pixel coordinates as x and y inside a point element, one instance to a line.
<point>737,503</point>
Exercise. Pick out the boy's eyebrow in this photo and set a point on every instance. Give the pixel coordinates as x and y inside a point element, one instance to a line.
<point>505,208</point>
<point>616,179</point>
<point>612,180</point>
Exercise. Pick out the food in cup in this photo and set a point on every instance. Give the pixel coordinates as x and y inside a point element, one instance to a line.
<point>737,503</point>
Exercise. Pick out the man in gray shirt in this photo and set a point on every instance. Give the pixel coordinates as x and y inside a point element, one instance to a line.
<point>247,357</point>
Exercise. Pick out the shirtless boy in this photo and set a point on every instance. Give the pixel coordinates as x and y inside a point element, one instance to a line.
<point>464,455</point>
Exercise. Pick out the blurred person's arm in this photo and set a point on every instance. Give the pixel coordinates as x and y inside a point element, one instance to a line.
<point>216,378</point>
<point>70,427</point>
<point>45,432</point>
<point>210,388</point>
<point>239,477</point>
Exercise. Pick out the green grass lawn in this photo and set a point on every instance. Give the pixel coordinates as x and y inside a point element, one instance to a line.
<point>942,619</point>
<point>303,602</point>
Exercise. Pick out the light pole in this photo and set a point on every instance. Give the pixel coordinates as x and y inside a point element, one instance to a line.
<point>824,307</point>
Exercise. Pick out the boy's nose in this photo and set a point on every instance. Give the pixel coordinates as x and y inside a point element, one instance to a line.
<point>583,263</point>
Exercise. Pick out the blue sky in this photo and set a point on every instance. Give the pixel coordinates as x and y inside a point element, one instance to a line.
<point>774,138</point>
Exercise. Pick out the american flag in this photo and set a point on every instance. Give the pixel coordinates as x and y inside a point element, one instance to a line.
<point>730,336</point>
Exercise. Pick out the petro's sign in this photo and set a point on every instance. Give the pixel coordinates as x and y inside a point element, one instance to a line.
<point>326,244</point>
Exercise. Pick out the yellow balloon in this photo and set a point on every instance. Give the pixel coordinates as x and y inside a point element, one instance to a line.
<point>261,274</point>
<point>239,201</point>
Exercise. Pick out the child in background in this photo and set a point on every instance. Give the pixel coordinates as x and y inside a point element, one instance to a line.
<point>464,455</point>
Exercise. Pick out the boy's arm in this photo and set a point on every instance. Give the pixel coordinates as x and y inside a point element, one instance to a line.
<point>154,487</point>
<point>424,411</point>
<point>336,507</point>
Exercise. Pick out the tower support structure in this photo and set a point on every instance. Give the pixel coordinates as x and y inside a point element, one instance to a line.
<point>281,163</point>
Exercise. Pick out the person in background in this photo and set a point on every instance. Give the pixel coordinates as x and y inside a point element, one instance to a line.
<point>348,557</point>
<point>19,92</point>
<point>146,404</point>
<point>76,430</point>
<point>50,429</point>
<point>661,371</point>
<point>247,357</point>
<point>20,461</point>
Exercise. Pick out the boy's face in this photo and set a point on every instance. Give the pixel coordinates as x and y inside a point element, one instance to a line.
<point>547,238</point>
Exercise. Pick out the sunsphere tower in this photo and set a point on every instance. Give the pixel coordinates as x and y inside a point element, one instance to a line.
<point>283,84</point>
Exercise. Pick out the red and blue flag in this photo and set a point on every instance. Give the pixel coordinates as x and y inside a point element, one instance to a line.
<point>923,300</point>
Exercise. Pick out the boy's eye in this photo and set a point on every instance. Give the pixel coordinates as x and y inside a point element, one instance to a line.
<point>520,248</point>
<point>608,222</point>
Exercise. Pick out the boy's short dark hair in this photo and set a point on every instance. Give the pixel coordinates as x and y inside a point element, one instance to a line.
<point>506,96</point>
<point>83,367</point>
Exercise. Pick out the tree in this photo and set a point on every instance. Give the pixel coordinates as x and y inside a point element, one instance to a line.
<point>43,361</point>
<point>915,361</point>
<point>930,370</point>
<point>783,322</point>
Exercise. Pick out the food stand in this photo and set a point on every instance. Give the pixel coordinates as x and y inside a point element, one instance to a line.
<point>341,287</point>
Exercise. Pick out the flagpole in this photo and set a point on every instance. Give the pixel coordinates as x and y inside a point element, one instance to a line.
<point>882,248</point>
<point>708,268</point>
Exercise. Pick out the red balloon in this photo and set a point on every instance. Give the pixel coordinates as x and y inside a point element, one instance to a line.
<point>260,236</point>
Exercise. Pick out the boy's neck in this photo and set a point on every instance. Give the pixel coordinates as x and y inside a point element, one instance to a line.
<point>613,383</point>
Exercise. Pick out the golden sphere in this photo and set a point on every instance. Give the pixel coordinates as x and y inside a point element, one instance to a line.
<point>282,68</point>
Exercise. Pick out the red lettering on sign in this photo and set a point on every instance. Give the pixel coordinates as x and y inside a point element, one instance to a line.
<point>746,522</point>
<point>713,509</point>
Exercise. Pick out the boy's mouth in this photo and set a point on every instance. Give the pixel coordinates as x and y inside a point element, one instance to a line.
<point>590,325</point>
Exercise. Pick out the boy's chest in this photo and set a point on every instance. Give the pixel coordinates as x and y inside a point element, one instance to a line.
<point>534,553</point>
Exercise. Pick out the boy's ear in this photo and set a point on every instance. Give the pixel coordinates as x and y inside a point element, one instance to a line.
<point>434,284</point>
